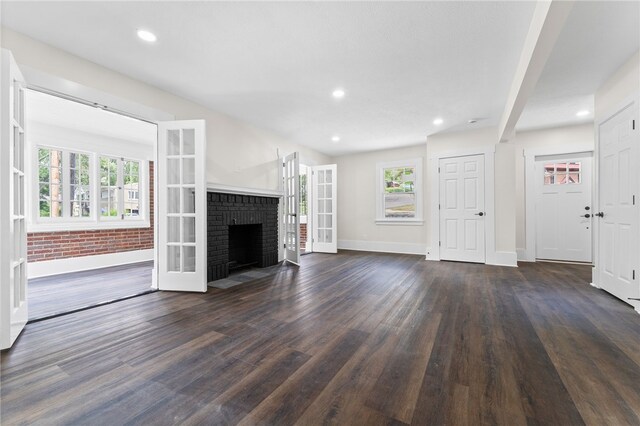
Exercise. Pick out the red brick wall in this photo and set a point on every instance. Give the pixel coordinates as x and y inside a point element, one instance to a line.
<point>303,236</point>
<point>65,244</point>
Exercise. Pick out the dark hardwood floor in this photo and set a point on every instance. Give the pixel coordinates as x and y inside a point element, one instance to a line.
<point>353,338</point>
<point>67,292</point>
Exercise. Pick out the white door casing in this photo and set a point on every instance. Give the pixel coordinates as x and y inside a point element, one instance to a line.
<point>324,194</point>
<point>462,209</point>
<point>13,235</point>
<point>182,206</point>
<point>563,230</point>
<point>291,217</point>
<point>618,231</point>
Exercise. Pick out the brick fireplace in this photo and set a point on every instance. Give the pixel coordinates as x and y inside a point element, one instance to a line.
<point>242,230</point>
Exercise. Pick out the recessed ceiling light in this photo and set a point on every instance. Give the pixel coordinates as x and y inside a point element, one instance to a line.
<point>338,93</point>
<point>147,36</point>
<point>335,139</point>
<point>437,121</point>
<point>582,113</point>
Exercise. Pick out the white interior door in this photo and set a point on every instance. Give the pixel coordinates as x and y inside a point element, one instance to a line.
<point>182,206</point>
<point>617,195</point>
<point>291,206</point>
<point>462,213</point>
<point>563,207</point>
<point>324,194</point>
<point>13,235</point>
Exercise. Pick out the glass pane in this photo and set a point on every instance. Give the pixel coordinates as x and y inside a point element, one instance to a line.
<point>173,171</point>
<point>173,224</point>
<point>188,170</point>
<point>131,188</point>
<point>320,190</point>
<point>328,206</point>
<point>188,200</point>
<point>574,172</point>
<point>189,230</point>
<point>173,200</point>
<point>173,258</point>
<point>328,176</point>
<point>328,221</point>
<point>328,236</point>
<point>328,191</point>
<point>189,259</point>
<point>188,142</point>
<point>399,204</point>
<point>320,176</point>
<point>173,142</point>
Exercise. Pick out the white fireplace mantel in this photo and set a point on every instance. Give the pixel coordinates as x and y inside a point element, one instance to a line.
<point>229,189</point>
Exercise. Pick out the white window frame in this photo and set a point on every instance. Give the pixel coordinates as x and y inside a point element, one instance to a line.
<point>95,221</point>
<point>416,163</point>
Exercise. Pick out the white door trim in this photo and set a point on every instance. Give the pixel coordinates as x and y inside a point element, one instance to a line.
<point>492,257</point>
<point>529,254</point>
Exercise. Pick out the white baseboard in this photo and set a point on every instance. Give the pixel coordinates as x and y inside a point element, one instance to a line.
<point>383,246</point>
<point>522,255</point>
<point>505,258</point>
<point>75,264</point>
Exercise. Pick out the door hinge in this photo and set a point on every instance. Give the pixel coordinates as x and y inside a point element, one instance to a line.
<point>284,246</point>
<point>633,274</point>
<point>439,243</point>
<point>438,206</point>
<point>313,240</point>
<point>122,216</point>
<point>633,124</point>
<point>438,169</point>
<point>633,199</point>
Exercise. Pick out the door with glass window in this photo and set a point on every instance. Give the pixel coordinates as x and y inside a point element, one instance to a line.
<point>182,214</point>
<point>13,235</point>
<point>291,208</point>
<point>324,193</point>
<point>563,207</point>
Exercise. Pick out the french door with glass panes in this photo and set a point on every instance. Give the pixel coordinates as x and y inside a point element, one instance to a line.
<point>324,194</point>
<point>291,208</point>
<point>13,233</point>
<point>182,210</point>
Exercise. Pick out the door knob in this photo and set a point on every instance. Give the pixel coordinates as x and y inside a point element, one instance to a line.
<point>587,208</point>
<point>586,215</point>
<point>601,214</point>
<point>479,214</point>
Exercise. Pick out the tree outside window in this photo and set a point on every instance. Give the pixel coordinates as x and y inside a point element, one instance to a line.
<point>399,195</point>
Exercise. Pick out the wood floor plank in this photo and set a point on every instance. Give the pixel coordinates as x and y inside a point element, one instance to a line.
<point>352,338</point>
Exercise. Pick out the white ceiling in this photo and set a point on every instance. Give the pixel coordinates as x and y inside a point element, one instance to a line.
<point>597,39</point>
<point>59,112</point>
<point>275,64</point>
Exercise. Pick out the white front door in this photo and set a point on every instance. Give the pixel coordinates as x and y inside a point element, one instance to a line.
<point>618,202</point>
<point>182,206</point>
<point>291,206</point>
<point>324,193</point>
<point>563,207</point>
<point>13,235</point>
<point>462,213</point>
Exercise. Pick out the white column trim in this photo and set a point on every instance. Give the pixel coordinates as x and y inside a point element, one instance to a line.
<point>529,252</point>
<point>491,256</point>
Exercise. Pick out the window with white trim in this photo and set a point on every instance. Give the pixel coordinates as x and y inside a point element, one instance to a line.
<point>65,184</point>
<point>399,192</point>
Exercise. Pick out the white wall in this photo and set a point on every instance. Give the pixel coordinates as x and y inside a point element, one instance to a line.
<point>504,183</point>
<point>357,228</point>
<point>622,84</point>
<point>238,154</point>
<point>569,137</point>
